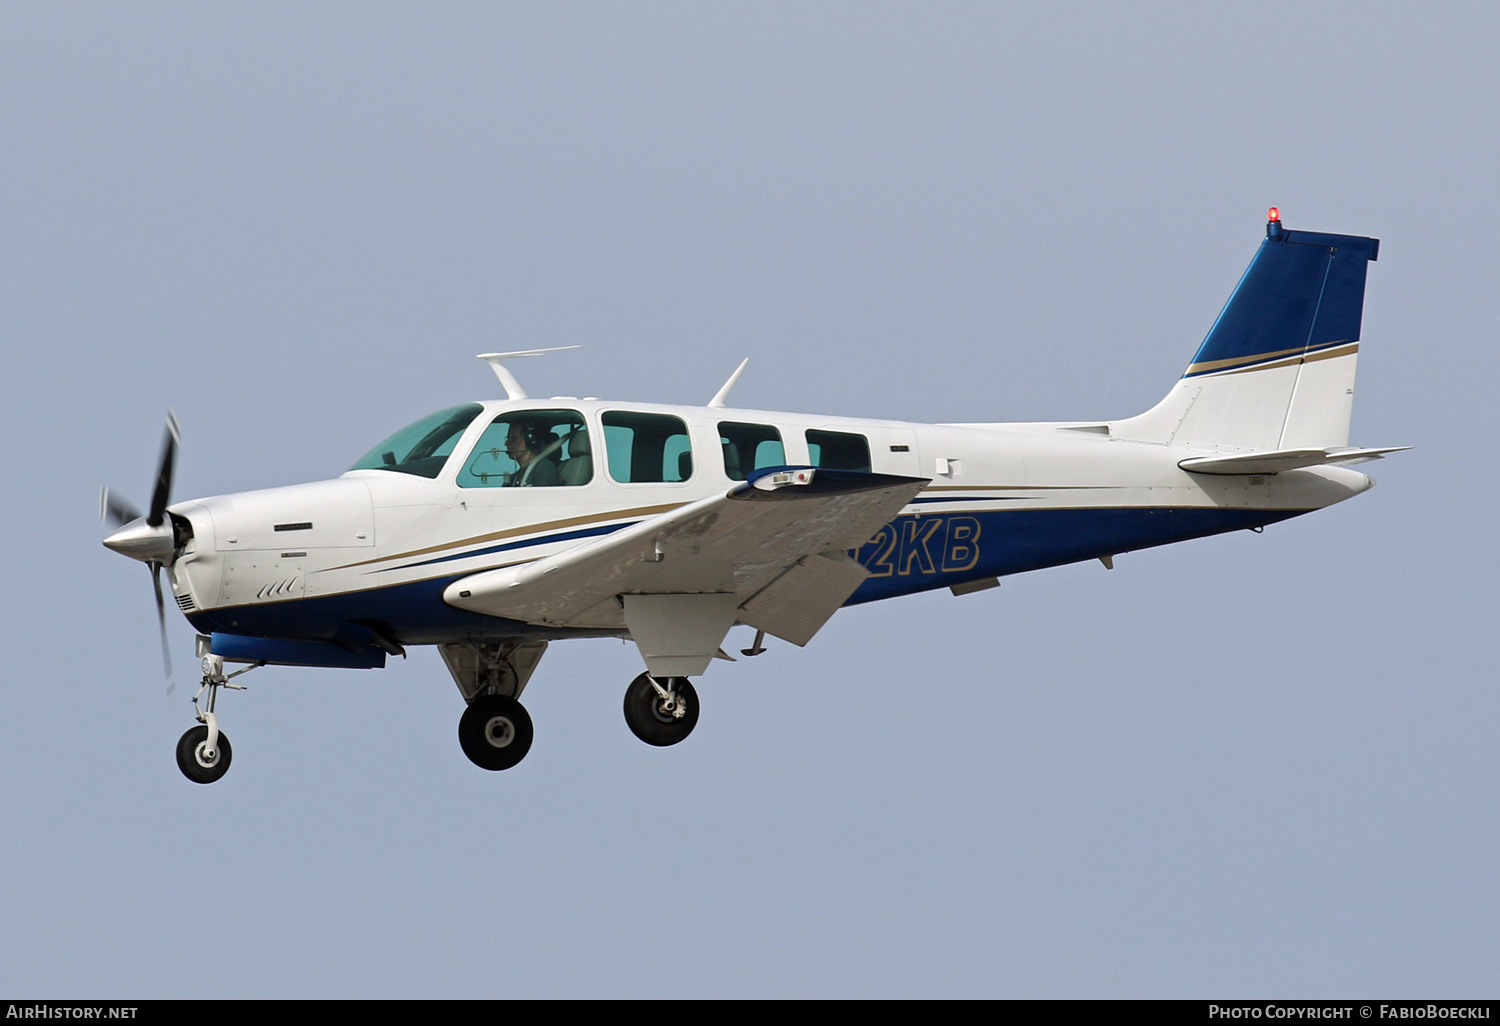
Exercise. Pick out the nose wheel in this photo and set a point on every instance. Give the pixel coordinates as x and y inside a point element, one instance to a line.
<point>661,711</point>
<point>200,762</point>
<point>495,732</point>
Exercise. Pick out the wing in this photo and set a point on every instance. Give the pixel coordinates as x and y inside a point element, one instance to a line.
<point>775,543</point>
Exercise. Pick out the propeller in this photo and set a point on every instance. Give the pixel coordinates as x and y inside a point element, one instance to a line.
<point>161,626</point>
<point>149,538</point>
<point>115,509</point>
<point>164,469</point>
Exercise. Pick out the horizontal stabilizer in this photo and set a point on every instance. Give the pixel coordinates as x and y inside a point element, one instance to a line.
<point>1281,459</point>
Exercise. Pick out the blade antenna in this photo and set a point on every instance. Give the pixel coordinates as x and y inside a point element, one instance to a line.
<point>722,395</point>
<point>513,389</point>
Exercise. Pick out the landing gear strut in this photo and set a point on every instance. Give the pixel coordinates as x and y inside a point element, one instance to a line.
<point>204,752</point>
<point>661,711</point>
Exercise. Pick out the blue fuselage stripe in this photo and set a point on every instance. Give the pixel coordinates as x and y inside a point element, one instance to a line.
<point>910,554</point>
<point>940,549</point>
<point>588,532</point>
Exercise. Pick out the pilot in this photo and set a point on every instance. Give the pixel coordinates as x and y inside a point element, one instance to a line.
<point>522,443</point>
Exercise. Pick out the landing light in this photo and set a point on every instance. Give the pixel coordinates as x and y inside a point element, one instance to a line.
<point>782,478</point>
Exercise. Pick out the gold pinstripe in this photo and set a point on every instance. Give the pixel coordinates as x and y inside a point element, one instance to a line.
<point>1329,354</point>
<point>1235,361</point>
<point>1322,354</point>
<point>551,525</point>
<point>1296,354</point>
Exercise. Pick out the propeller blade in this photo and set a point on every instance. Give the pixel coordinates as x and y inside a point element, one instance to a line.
<point>115,509</point>
<point>159,496</point>
<point>161,622</point>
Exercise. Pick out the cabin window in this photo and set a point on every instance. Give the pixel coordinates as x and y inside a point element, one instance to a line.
<point>421,448</point>
<point>750,447</point>
<point>838,451</point>
<point>647,447</point>
<point>531,449</point>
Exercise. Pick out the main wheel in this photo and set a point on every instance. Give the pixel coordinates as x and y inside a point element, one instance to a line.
<point>495,732</point>
<point>658,721</point>
<point>192,756</point>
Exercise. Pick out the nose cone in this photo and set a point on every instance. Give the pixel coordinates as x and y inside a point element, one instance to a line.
<point>139,540</point>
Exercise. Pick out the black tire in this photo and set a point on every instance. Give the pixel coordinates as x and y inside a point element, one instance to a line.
<point>495,732</point>
<point>650,721</point>
<point>190,757</point>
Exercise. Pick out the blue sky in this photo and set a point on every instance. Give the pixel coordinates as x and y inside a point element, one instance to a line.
<point>1256,764</point>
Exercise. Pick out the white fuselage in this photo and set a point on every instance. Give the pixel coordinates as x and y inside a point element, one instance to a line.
<point>379,546</point>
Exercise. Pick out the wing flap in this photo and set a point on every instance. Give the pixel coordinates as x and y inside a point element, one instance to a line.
<point>797,604</point>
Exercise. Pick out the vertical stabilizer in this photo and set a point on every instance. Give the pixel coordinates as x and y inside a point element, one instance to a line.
<point>1277,368</point>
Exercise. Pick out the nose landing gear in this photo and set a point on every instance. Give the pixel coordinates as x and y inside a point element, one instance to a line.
<point>204,752</point>
<point>200,761</point>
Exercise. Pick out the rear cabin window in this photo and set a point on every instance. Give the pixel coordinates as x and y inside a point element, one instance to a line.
<point>838,451</point>
<point>531,449</point>
<point>750,447</point>
<point>647,447</point>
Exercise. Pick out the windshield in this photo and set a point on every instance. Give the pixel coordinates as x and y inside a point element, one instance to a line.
<point>421,448</point>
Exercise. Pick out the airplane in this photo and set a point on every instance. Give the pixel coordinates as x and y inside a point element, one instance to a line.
<point>493,528</point>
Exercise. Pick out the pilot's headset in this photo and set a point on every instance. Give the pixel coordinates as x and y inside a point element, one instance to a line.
<point>531,434</point>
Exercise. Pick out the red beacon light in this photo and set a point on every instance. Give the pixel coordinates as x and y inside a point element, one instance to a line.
<point>1273,214</point>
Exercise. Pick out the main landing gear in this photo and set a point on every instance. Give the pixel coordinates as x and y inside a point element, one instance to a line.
<point>661,711</point>
<point>204,752</point>
<point>495,732</point>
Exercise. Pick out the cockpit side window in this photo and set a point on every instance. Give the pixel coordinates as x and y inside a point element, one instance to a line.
<point>421,448</point>
<point>837,450</point>
<point>647,447</point>
<point>531,449</point>
<point>750,447</point>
